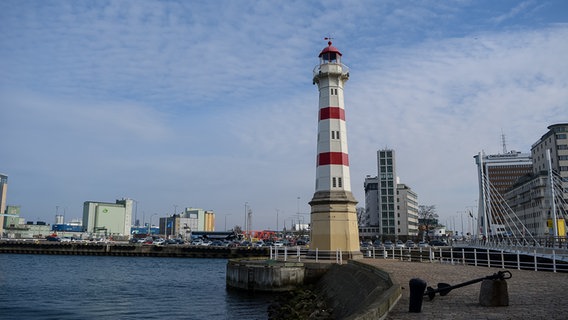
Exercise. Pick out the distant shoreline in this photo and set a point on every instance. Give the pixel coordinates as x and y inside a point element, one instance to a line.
<point>128,249</point>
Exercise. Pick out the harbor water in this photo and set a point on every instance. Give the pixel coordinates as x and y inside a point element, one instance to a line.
<point>103,287</point>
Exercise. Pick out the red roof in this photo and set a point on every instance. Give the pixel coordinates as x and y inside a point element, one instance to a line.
<point>329,48</point>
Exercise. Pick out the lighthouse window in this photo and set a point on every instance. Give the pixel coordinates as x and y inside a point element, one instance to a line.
<point>333,91</point>
<point>334,182</point>
<point>339,182</point>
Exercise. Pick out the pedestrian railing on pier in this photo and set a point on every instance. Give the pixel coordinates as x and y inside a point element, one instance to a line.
<point>553,260</point>
<point>487,257</point>
<point>300,254</point>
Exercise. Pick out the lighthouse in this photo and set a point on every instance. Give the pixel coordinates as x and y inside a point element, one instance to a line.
<point>334,227</point>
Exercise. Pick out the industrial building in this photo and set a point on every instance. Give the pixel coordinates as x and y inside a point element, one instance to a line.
<point>190,220</point>
<point>108,219</point>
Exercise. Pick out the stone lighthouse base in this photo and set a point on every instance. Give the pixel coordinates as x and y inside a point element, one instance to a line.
<point>334,226</point>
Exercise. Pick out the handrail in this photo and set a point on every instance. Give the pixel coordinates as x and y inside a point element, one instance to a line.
<point>554,261</point>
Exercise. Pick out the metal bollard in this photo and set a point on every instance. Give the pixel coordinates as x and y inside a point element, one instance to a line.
<point>417,287</point>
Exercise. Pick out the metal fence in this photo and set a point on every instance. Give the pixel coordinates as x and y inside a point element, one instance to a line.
<point>551,261</point>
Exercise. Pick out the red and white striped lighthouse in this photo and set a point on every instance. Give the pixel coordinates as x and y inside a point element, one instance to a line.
<point>333,213</point>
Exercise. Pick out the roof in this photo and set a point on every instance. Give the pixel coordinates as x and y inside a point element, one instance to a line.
<point>329,48</point>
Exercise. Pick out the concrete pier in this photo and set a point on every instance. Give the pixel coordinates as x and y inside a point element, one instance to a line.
<point>128,250</point>
<point>354,290</point>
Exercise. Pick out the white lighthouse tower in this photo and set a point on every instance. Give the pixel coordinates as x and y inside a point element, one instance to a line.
<point>333,212</point>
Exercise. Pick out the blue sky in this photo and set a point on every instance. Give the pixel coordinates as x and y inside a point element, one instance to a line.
<point>210,104</point>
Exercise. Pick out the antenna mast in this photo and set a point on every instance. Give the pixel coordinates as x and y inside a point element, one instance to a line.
<point>503,142</point>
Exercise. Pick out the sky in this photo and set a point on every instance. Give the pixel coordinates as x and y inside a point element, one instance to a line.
<point>210,104</point>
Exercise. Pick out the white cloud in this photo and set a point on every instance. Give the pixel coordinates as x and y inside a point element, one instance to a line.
<point>212,105</point>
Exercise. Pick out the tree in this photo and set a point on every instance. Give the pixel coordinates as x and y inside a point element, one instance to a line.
<point>362,216</point>
<point>427,217</point>
<point>237,230</point>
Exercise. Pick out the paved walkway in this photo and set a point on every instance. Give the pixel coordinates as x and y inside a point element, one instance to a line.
<point>532,294</point>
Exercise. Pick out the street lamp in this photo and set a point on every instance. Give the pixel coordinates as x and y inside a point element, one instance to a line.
<point>277,221</point>
<point>150,224</point>
<point>245,226</point>
<point>226,221</point>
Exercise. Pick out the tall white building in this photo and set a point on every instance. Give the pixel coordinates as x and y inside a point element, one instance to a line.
<point>407,210</point>
<point>391,208</point>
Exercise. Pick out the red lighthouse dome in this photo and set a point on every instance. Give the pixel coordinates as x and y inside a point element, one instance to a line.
<point>329,53</point>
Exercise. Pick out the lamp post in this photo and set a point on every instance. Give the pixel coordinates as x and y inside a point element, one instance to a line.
<point>150,224</point>
<point>277,222</point>
<point>226,221</point>
<point>245,226</point>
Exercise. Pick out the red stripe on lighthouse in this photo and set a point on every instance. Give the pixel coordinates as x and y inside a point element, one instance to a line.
<point>332,113</point>
<point>327,158</point>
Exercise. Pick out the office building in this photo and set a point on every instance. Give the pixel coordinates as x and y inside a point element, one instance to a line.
<point>533,198</point>
<point>497,173</point>
<point>3,194</point>
<point>407,210</point>
<point>391,208</point>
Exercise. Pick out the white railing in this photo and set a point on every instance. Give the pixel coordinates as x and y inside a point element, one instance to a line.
<point>299,254</point>
<point>485,257</point>
<point>531,260</point>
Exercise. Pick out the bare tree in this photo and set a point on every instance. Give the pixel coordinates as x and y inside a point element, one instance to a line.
<point>362,216</point>
<point>427,217</point>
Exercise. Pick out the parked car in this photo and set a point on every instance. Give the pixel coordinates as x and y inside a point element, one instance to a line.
<point>378,244</point>
<point>278,243</point>
<point>301,242</point>
<point>388,245</point>
<point>365,245</point>
<point>423,244</point>
<point>159,242</point>
<point>171,241</point>
<point>233,244</point>
<point>52,238</point>
<point>410,244</point>
<point>205,243</point>
<point>437,243</point>
<point>399,244</point>
<point>217,243</point>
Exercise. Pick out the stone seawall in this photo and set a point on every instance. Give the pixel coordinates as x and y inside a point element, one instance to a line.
<point>129,250</point>
<point>358,291</point>
<point>352,291</point>
<point>264,275</point>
